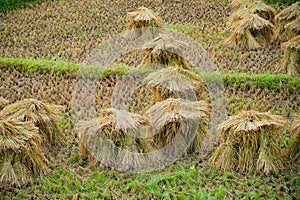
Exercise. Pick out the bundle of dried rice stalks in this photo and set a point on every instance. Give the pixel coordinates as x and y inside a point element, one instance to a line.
<point>293,27</point>
<point>237,16</point>
<point>286,16</point>
<point>263,10</point>
<point>44,116</point>
<point>293,150</point>
<point>167,116</point>
<point>256,7</point>
<point>175,82</point>
<point>249,30</point>
<point>3,103</point>
<point>102,138</point>
<point>250,143</point>
<point>164,50</point>
<point>290,63</point>
<point>20,154</point>
<point>240,4</point>
<point>143,18</point>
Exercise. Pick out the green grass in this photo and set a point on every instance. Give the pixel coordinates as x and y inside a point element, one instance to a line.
<point>270,81</point>
<point>285,2</point>
<point>197,34</point>
<point>186,179</point>
<point>6,5</point>
<point>186,29</point>
<point>61,67</point>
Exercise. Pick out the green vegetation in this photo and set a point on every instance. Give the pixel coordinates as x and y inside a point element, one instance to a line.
<point>286,2</point>
<point>186,179</point>
<point>6,5</point>
<point>245,80</point>
<point>61,67</point>
<point>275,82</point>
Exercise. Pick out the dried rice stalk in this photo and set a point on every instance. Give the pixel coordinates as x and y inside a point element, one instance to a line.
<point>289,13</point>
<point>250,143</point>
<point>3,103</point>
<point>263,10</point>
<point>293,26</point>
<point>248,29</point>
<point>286,16</point>
<point>167,116</point>
<point>144,18</point>
<point>175,82</point>
<point>115,130</point>
<point>44,116</point>
<point>290,63</point>
<point>20,155</point>
<point>240,4</point>
<point>164,50</point>
<point>293,150</point>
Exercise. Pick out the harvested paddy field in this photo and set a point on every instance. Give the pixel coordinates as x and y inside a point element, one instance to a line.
<point>44,146</point>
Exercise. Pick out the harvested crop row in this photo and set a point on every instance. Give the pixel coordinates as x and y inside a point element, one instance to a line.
<point>21,83</point>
